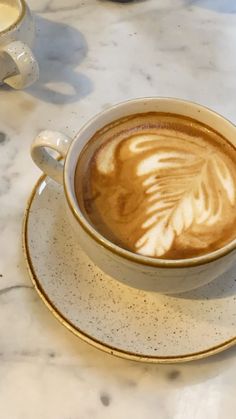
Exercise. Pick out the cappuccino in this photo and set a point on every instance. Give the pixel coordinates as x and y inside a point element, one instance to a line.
<point>159,185</point>
<point>8,16</point>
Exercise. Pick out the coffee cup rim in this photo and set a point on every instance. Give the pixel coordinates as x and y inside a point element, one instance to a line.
<point>18,20</point>
<point>103,241</point>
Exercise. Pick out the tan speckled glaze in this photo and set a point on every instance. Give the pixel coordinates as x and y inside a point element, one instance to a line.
<point>118,319</point>
<point>152,274</point>
<point>18,66</point>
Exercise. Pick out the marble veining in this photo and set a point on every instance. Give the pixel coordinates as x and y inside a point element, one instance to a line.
<point>94,53</point>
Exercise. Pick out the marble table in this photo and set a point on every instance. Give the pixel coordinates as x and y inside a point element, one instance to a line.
<point>94,53</point>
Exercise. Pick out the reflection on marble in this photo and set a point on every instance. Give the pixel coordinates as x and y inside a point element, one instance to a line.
<point>94,53</point>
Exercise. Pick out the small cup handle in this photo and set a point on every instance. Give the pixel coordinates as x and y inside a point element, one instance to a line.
<point>26,64</point>
<point>50,165</point>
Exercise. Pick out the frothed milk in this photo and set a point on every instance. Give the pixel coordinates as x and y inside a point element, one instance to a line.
<point>160,185</point>
<point>8,15</point>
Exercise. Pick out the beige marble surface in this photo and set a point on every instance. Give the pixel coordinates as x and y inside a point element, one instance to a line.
<point>94,53</point>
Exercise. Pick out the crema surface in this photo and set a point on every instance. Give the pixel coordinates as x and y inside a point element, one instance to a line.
<point>160,185</point>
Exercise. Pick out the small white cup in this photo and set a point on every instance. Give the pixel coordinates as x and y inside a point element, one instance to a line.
<point>18,66</point>
<point>166,276</point>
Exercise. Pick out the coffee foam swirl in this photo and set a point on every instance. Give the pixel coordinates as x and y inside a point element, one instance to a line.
<point>160,188</point>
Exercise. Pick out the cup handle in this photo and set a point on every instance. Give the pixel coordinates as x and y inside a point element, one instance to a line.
<point>25,62</point>
<point>50,165</point>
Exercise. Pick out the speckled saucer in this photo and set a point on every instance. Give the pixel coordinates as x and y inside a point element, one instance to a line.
<point>123,321</point>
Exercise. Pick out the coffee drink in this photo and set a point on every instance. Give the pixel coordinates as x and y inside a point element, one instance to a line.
<point>159,185</point>
<point>8,15</point>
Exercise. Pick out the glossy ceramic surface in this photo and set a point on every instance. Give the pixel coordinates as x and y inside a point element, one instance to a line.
<point>118,319</point>
<point>169,276</point>
<point>18,66</point>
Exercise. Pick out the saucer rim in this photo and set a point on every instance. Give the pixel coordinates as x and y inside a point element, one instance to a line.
<point>120,353</point>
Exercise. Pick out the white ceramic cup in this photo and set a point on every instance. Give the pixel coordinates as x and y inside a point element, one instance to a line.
<point>18,66</point>
<point>166,276</point>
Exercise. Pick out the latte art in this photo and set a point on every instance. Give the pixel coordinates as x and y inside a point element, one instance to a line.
<point>161,186</point>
